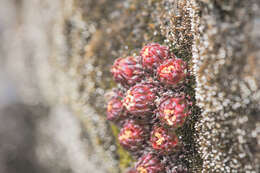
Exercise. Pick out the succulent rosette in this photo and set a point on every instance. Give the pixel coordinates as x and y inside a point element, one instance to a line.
<point>139,99</point>
<point>149,163</point>
<point>163,141</point>
<point>153,55</point>
<point>127,71</point>
<point>172,72</point>
<point>132,136</point>
<point>173,111</point>
<point>115,107</point>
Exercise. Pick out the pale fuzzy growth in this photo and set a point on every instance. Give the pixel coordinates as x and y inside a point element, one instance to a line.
<point>224,92</point>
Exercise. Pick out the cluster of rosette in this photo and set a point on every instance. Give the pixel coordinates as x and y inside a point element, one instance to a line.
<point>149,106</point>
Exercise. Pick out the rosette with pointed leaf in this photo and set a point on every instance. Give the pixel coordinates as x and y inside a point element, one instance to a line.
<point>149,163</point>
<point>171,72</point>
<point>115,107</point>
<point>132,136</point>
<point>163,141</point>
<point>139,99</point>
<point>173,111</point>
<point>127,71</point>
<point>153,55</point>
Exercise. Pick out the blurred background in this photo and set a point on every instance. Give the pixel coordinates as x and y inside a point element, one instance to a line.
<point>34,138</point>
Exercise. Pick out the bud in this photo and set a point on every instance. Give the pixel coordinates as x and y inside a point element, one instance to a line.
<point>127,71</point>
<point>131,136</point>
<point>139,99</point>
<point>153,55</point>
<point>115,107</point>
<point>172,71</point>
<point>149,163</point>
<point>173,111</point>
<point>163,141</point>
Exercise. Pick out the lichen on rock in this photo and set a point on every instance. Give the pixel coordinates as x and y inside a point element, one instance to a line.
<point>223,90</point>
